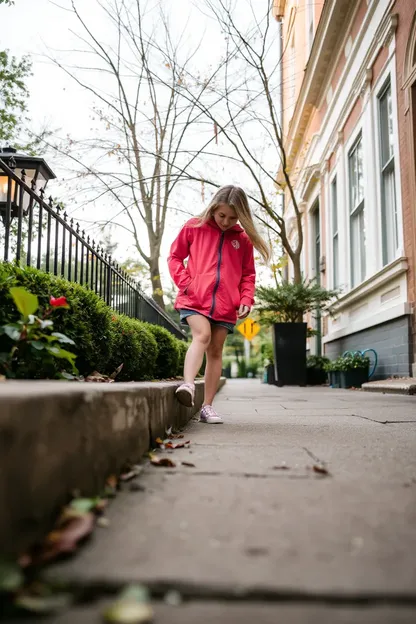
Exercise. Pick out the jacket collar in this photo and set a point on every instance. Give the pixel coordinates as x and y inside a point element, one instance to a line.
<point>237,229</point>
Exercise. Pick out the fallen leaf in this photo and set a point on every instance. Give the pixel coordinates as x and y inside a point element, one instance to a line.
<point>83,505</point>
<point>176,445</point>
<point>128,476</point>
<point>11,576</point>
<point>173,598</point>
<point>162,461</point>
<point>111,486</point>
<point>132,607</point>
<point>65,538</point>
<point>97,377</point>
<point>52,603</point>
<point>189,464</point>
<point>281,467</point>
<point>320,469</point>
<point>159,441</point>
<point>117,371</point>
<point>104,523</point>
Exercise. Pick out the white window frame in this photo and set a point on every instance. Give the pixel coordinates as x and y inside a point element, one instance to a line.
<point>334,233</point>
<point>388,75</point>
<point>356,212</point>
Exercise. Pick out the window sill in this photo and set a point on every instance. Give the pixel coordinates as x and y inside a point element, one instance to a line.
<point>373,283</point>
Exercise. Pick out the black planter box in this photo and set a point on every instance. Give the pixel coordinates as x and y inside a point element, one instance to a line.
<point>289,343</point>
<point>271,379</point>
<point>335,379</point>
<point>354,378</point>
<point>316,376</point>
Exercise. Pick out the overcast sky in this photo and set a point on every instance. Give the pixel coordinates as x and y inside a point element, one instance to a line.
<point>43,27</point>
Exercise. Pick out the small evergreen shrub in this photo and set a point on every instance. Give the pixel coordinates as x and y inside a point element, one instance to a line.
<point>183,348</point>
<point>135,347</point>
<point>168,352</point>
<point>103,339</point>
<point>88,324</point>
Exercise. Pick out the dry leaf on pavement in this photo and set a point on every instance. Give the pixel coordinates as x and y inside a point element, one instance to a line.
<point>155,460</point>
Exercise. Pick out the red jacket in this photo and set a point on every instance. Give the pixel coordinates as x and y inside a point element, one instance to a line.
<point>220,274</point>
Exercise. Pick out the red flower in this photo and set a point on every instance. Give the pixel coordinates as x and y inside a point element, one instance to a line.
<point>59,302</point>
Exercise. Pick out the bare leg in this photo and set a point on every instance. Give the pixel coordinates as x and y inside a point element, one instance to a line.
<point>201,337</point>
<point>214,362</point>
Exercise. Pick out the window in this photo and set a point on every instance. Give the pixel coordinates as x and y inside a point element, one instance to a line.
<point>335,252</point>
<point>317,242</point>
<point>309,23</point>
<point>390,239</point>
<point>357,222</point>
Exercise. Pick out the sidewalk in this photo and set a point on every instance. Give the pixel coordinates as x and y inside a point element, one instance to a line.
<point>248,542</point>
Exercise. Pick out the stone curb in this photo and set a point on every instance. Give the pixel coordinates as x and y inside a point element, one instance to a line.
<point>392,386</point>
<point>56,437</point>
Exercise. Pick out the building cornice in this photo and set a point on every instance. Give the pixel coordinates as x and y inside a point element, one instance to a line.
<point>331,23</point>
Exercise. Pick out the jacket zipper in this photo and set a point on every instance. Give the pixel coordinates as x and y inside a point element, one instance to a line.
<point>217,283</point>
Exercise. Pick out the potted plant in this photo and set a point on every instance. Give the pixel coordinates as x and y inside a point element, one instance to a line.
<point>283,307</point>
<point>354,370</point>
<point>350,370</point>
<point>316,374</point>
<point>333,368</point>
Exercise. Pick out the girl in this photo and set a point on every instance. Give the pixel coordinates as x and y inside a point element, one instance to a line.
<point>216,286</point>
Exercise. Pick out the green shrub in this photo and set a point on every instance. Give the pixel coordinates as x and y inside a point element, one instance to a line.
<point>103,339</point>
<point>168,352</point>
<point>134,346</point>
<point>88,323</point>
<point>317,361</point>
<point>183,348</point>
<point>242,369</point>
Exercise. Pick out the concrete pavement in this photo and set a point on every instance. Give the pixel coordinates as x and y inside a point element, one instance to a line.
<point>253,533</point>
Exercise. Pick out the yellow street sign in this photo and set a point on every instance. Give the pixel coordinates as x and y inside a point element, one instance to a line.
<point>249,328</point>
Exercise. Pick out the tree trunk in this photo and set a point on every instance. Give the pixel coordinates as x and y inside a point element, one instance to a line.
<point>157,292</point>
<point>297,271</point>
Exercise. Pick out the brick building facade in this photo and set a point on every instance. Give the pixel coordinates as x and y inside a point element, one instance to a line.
<point>349,119</point>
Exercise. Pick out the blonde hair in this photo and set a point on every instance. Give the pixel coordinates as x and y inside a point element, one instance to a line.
<point>235,197</point>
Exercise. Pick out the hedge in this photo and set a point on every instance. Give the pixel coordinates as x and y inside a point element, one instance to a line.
<point>168,351</point>
<point>103,338</point>
<point>135,347</point>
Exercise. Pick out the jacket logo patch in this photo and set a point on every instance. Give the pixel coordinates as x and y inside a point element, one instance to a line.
<point>235,244</point>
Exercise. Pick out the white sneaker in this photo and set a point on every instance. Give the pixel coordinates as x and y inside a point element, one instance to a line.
<point>185,394</point>
<point>209,415</point>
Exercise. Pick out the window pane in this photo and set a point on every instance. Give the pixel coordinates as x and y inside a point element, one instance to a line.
<point>362,244</point>
<point>386,126</point>
<point>356,176</point>
<point>390,233</point>
<point>334,206</point>
<point>335,280</point>
<point>360,179</point>
<point>358,264</point>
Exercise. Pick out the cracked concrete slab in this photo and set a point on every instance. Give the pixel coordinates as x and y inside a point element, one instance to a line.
<point>236,522</point>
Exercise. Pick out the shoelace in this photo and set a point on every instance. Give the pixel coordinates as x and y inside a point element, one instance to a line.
<point>209,411</point>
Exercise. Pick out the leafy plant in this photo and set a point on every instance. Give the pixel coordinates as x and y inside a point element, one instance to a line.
<point>352,361</point>
<point>317,361</point>
<point>348,362</point>
<point>289,302</point>
<point>32,337</point>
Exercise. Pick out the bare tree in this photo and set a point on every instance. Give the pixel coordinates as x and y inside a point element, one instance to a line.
<point>244,108</point>
<point>142,151</point>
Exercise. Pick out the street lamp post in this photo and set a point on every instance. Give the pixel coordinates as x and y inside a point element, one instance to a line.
<point>33,170</point>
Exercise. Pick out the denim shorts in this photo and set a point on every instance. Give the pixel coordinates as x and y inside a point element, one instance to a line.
<point>185,313</point>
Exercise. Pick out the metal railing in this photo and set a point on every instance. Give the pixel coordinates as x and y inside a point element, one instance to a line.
<point>38,233</point>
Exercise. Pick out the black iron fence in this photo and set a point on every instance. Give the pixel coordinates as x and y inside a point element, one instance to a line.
<point>40,234</point>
